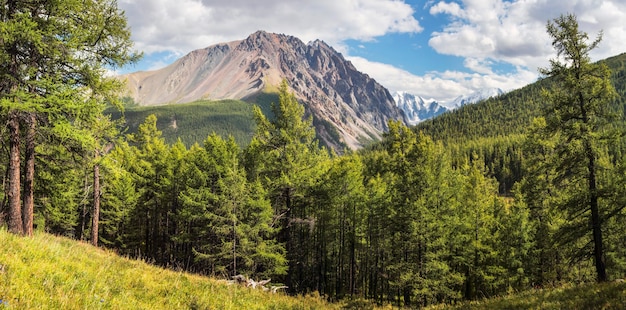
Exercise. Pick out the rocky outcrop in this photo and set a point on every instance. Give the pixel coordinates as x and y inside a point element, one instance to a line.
<point>329,86</point>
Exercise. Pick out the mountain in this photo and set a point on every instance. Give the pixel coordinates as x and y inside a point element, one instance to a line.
<point>416,108</point>
<point>476,96</point>
<point>348,107</point>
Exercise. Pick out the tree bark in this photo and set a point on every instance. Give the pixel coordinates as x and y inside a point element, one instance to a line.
<point>29,177</point>
<point>596,224</point>
<point>15,211</point>
<point>95,216</point>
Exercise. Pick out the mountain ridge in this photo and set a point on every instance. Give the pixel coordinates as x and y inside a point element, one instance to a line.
<point>329,86</point>
<point>416,108</point>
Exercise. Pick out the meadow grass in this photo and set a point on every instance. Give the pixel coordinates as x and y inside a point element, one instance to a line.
<point>50,272</point>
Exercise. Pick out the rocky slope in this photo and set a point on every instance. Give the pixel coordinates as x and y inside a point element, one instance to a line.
<point>355,106</point>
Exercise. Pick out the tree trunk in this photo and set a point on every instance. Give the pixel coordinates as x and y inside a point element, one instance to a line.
<point>596,225</point>
<point>95,216</point>
<point>29,177</point>
<point>15,211</point>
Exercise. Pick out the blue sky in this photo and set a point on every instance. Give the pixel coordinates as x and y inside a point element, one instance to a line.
<point>434,49</point>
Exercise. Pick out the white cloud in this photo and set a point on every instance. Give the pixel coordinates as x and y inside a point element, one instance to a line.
<point>482,32</point>
<point>442,86</point>
<point>184,25</point>
<point>451,8</point>
<point>478,65</point>
<point>514,31</point>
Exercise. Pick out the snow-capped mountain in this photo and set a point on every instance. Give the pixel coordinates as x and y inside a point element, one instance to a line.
<point>476,96</point>
<point>416,108</point>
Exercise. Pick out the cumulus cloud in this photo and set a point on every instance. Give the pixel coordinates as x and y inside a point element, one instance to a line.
<point>442,86</point>
<point>184,25</point>
<point>514,31</point>
<point>484,33</point>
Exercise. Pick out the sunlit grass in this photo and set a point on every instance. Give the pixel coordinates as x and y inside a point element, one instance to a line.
<point>48,272</point>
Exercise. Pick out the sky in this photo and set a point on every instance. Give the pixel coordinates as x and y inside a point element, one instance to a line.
<point>435,49</point>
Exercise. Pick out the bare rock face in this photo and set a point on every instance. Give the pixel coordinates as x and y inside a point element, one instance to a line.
<point>329,86</point>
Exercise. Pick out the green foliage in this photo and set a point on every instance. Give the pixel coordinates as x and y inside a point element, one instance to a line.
<point>227,219</point>
<point>285,158</point>
<point>53,60</point>
<point>494,129</point>
<point>577,119</point>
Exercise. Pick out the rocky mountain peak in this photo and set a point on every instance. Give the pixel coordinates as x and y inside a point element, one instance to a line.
<point>344,102</point>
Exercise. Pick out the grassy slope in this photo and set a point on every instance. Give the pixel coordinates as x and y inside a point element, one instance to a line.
<point>48,272</point>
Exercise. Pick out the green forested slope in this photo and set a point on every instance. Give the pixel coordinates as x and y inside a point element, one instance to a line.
<point>193,122</point>
<point>493,130</point>
<point>509,114</point>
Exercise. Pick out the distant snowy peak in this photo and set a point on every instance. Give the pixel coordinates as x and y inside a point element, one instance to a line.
<point>476,96</point>
<point>416,108</point>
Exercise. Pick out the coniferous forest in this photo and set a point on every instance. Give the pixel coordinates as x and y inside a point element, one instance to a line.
<point>517,192</point>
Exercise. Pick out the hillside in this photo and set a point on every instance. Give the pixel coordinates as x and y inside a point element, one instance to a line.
<point>508,114</point>
<point>494,129</point>
<point>48,272</point>
<point>193,122</point>
<point>583,297</point>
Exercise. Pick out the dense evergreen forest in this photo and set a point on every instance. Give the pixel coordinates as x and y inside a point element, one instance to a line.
<point>495,128</point>
<point>522,191</point>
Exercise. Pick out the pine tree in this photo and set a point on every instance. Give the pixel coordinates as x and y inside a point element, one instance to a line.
<point>119,193</point>
<point>226,220</point>
<point>154,179</point>
<point>480,229</point>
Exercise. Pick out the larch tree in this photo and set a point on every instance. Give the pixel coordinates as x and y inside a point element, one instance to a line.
<point>577,114</point>
<point>285,157</point>
<point>53,61</point>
